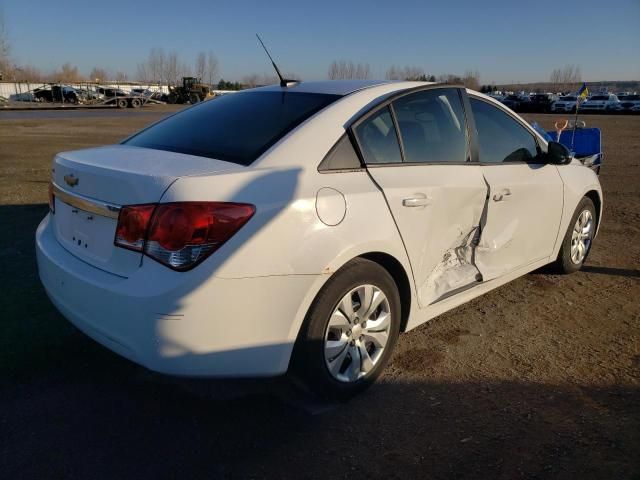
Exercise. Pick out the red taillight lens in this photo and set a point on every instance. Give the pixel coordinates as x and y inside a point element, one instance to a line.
<point>52,199</point>
<point>180,235</point>
<point>133,222</point>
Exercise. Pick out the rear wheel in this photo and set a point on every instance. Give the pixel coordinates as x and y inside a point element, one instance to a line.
<point>136,102</point>
<point>122,103</point>
<point>349,332</point>
<point>577,241</point>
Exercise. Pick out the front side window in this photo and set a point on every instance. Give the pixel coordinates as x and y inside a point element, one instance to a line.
<point>500,137</point>
<point>377,138</point>
<point>432,126</point>
<point>237,127</point>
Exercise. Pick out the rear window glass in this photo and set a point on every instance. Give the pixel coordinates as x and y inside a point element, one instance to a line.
<point>237,128</point>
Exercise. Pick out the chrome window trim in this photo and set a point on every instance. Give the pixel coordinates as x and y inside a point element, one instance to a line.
<point>87,204</point>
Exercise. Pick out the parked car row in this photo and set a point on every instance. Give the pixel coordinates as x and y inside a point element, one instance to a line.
<point>88,94</point>
<point>553,103</point>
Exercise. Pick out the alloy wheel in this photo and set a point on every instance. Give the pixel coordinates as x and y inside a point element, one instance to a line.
<point>357,333</point>
<point>581,237</point>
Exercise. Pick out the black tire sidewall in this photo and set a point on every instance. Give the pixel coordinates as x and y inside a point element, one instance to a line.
<point>308,357</point>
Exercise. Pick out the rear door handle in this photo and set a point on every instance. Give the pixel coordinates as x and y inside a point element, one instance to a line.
<point>419,200</point>
<point>502,196</point>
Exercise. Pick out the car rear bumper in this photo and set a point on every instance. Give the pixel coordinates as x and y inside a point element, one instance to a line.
<point>177,323</point>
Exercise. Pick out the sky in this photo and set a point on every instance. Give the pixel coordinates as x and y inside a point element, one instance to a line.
<point>505,41</point>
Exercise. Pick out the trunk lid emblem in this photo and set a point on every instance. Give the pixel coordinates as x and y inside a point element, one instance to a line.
<point>71,180</point>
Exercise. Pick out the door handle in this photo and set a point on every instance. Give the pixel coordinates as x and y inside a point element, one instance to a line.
<point>502,196</point>
<point>420,200</point>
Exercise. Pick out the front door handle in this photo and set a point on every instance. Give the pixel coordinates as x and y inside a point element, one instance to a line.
<point>502,196</point>
<point>419,200</point>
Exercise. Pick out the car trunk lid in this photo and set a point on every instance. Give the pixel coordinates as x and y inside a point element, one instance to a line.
<point>91,185</point>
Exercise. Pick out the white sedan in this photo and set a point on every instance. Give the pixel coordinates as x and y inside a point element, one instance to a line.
<point>599,103</point>
<point>301,228</point>
<point>565,104</point>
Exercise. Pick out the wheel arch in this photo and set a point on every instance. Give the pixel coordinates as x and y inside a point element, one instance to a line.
<point>390,263</point>
<point>401,279</point>
<point>594,196</point>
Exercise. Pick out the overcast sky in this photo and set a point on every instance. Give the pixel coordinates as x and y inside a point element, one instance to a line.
<point>506,41</point>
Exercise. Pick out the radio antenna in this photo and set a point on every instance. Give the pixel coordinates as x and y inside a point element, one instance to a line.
<point>283,81</point>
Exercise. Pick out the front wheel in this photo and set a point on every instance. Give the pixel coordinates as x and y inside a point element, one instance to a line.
<point>578,239</point>
<point>350,331</point>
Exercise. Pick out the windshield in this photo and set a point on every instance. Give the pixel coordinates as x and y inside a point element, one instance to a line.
<point>568,99</point>
<point>237,128</point>
<point>632,97</point>
<point>599,97</point>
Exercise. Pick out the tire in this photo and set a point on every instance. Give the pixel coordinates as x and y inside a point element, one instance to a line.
<point>136,103</point>
<point>122,103</point>
<point>327,329</point>
<point>568,261</point>
<point>194,98</point>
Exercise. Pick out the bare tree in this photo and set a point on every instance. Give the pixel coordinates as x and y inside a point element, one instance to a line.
<point>344,70</point>
<point>120,76</point>
<point>251,81</point>
<point>405,73</point>
<point>471,79</point>
<point>212,67</point>
<point>164,69</point>
<point>67,74</point>
<point>171,68</point>
<point>29,73</point>
<point>142,73</point>
<point>201,65</point>
<point>566,78</point>
<point>5,47</point>
<point>99,74</point>
<point>156,65</point>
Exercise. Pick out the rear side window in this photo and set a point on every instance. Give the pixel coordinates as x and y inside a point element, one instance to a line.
<point>236,127</point>
<point>378,139</point>
<point>432,126</point>
<point>500,137</point>
<point>341,157</point>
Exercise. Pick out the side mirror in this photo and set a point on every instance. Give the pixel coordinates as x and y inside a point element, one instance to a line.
<point>558,154</point>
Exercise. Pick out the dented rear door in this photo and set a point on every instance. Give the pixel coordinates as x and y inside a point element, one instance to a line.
<point>436,196</point>
<point>438,210</point>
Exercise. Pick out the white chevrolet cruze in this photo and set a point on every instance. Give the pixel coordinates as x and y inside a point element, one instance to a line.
<point>300,228</point>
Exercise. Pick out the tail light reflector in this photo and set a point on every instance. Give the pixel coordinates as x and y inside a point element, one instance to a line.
<point>133,222</point>
<point>180,235</point>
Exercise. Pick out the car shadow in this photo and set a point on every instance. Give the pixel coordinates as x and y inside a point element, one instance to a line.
<point>103,417</point>
<point>621,272</point>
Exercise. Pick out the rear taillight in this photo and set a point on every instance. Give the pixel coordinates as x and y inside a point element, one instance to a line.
<point>52,199</point>
<point>133,222</point>
<point>180,235</point>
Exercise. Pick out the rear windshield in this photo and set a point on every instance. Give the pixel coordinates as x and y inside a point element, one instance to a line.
<point>237,127</point>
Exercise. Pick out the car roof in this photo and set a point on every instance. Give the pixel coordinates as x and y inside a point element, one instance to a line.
<point>331,87</point>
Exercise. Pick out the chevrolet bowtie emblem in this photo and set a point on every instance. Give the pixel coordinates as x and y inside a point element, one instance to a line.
<point>71,180</point>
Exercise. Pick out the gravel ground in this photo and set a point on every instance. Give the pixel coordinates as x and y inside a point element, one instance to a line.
<point>537,379</point>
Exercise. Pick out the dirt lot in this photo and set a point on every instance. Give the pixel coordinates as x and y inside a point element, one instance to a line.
<point>538,379</point>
